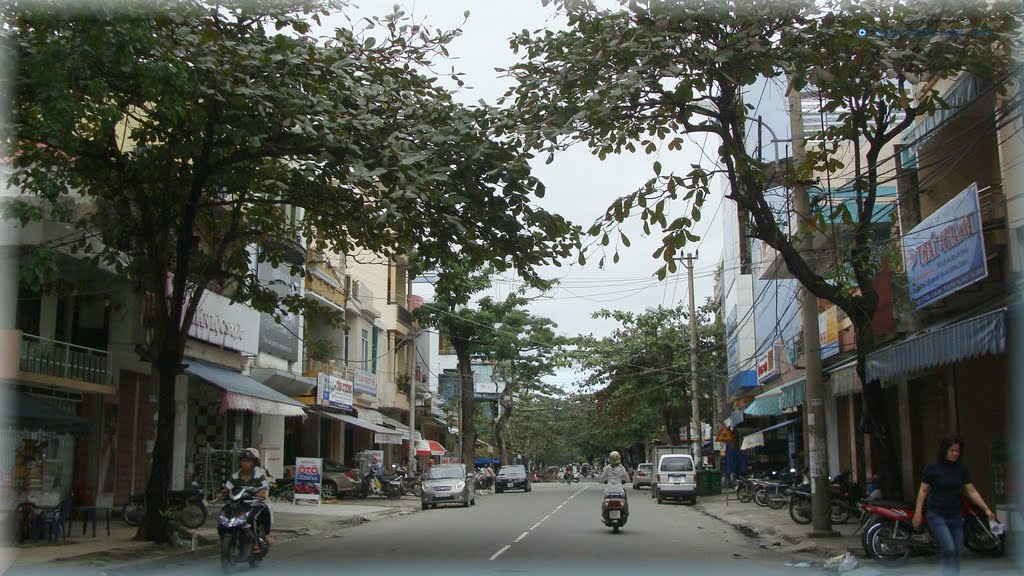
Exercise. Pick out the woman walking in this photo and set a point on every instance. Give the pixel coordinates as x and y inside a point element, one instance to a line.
<point>942,484</point>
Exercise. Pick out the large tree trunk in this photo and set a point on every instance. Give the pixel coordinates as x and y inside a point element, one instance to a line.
<point>165,367</point>
<point>884,456</point>
<point>468,430</point>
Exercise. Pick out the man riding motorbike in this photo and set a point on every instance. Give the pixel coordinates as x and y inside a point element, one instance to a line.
<point>251,475</point>
<point>614,470</point>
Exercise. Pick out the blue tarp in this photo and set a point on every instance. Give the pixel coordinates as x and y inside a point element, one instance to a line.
<point>481,462</point>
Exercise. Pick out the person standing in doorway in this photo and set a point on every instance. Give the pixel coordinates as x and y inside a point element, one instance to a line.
<point>943,484</point>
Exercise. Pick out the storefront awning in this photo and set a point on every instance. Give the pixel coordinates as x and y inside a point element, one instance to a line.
<point>793,394</point>
<point>977,336</point>
<point>766,404</point>
<point>843,379</point>
<point>757,438</point>
<point>356,422</point>
<point>244,393</point>
<point>288,383</point>
<point>25,412</point>
<point>959,97</point>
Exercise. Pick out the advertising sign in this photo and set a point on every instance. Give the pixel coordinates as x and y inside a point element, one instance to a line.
<point>333,391</point>
<point>381,438</point>
<point>946,251</point>
<point>365,382</point>
<point>279,339</point>
<point>766,365</point>
<point>828,332</point>
<point>308,478</point>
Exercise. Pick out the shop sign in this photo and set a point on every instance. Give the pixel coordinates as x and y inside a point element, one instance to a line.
<point>308,478</point>
<point>828,332</point>
<point>279,338</point>
<point>381,438</point>
<point>371,416</point>
<point>365,382</point>
<point>766,367</point>
<point>333,391</point>
<point>219,322</point>
<point>946,251</point>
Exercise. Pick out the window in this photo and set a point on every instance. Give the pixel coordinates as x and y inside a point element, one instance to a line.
<point>365,348</point>
<point>682,464</point>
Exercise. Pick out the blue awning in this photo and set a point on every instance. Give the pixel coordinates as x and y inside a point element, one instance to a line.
<point>757,438</point>
<point>958,98</point>
<point>977,336</point>
<point>245,393</point>
<point>780,425</point>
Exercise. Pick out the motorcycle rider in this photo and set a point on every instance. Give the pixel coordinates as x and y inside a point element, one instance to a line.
<point>251,475</point>
<point>614,470</point>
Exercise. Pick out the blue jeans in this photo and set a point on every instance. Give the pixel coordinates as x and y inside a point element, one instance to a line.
<point>949,533</point>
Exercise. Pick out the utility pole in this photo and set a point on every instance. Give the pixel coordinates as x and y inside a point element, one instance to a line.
<point>817,449</point>
<point>412,401</point>
<point>694,390</point>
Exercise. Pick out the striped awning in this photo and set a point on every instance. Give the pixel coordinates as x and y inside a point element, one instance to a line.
<point>978,336</point>
<point>794,394</point>
<point>958,98</point>
<point>766,404</point>
<point>843,379</point>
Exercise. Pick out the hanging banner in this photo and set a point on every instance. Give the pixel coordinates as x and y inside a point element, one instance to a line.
<point>946,251</point>
<point>365,382</point>
<point>308,478</point>
<point>381,438</point>
<point>828,332</point>
<point>333,391</point>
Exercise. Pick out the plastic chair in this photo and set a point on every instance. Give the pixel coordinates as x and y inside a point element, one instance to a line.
<point>52,518</point>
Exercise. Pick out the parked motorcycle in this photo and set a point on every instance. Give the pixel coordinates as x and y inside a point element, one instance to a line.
<point>614,506</point>
<point>892,538</point>
<point>843,501</point>
<point>184,506</point>
<point>240,524</point>
<point>282,488</point>
<point>394,485</point>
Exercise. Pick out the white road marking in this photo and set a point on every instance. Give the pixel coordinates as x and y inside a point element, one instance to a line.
<point>535,526</point>
<point>502,551</point>
<point>546,517</point>
<point>521,536</point>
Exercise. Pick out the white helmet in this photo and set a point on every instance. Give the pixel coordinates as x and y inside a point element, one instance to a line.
<point>614,457</point>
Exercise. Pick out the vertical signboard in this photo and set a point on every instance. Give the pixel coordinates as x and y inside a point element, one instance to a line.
<point>333,391</point>
<point>946,251</point>
<point>828,332</point>
<point>280,339</point>
<point>308,478</point>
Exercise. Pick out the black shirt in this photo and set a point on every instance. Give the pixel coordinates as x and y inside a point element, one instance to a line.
<point>947,480</point>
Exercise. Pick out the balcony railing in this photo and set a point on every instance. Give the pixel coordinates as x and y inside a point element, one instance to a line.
<point>64,360</point>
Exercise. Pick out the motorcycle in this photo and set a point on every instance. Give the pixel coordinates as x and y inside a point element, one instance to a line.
<point>844,501</point>
<point>240,525</point>
<point>282,488</point>
<point>395,484</point>
<point>614,506</point>
<point>892,538</point>
<point>185,506</point>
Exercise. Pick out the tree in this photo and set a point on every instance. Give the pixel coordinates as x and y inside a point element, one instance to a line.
<point>525,349</point>
<point>639,374</point>
<point>177,138</point>
<point>657,71</point>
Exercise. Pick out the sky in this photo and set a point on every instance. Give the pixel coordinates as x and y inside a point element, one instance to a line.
<point>579,185</point>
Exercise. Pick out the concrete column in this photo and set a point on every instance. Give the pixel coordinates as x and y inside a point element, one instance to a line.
<point>906,438</point>
<point>48,316</point>
<point>181,414</point>
<point>832,432</point>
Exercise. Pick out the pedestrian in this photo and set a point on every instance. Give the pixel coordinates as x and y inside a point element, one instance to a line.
<point>943,484</point>
<point>489,478</point>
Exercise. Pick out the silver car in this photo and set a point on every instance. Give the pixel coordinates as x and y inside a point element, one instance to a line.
<point>448,484</point>
<point>644,476</point>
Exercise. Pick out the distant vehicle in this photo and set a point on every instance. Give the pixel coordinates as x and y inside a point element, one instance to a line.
<point>339,481</point>
<point>644,476</point>
<point>512,477</point>
<point>449,484</point>
<point>675,477</point>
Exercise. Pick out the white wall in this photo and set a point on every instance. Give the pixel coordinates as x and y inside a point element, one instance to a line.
<point>268,437</point>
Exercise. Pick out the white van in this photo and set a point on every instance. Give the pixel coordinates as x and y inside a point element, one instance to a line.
<point>675,477</point>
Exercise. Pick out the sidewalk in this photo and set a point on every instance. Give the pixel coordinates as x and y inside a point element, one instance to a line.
<point>291,521</point>
<point>775,529</point>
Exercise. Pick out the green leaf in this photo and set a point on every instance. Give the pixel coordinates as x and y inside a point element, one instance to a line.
<point>657,168</point>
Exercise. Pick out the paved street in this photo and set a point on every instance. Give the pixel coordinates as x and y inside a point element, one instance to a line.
<point>554,529</point>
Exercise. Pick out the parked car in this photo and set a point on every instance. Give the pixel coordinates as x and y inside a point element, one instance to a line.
<point>449,484</point>
<point>512,477</point>
<point>675,477</point>
<point>339,481</point>
<point>644,476</point>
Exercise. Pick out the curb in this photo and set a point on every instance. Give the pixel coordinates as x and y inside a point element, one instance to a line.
<point>207,542</point>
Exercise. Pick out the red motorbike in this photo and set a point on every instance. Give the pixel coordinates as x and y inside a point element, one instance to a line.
<point>892,538</point>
